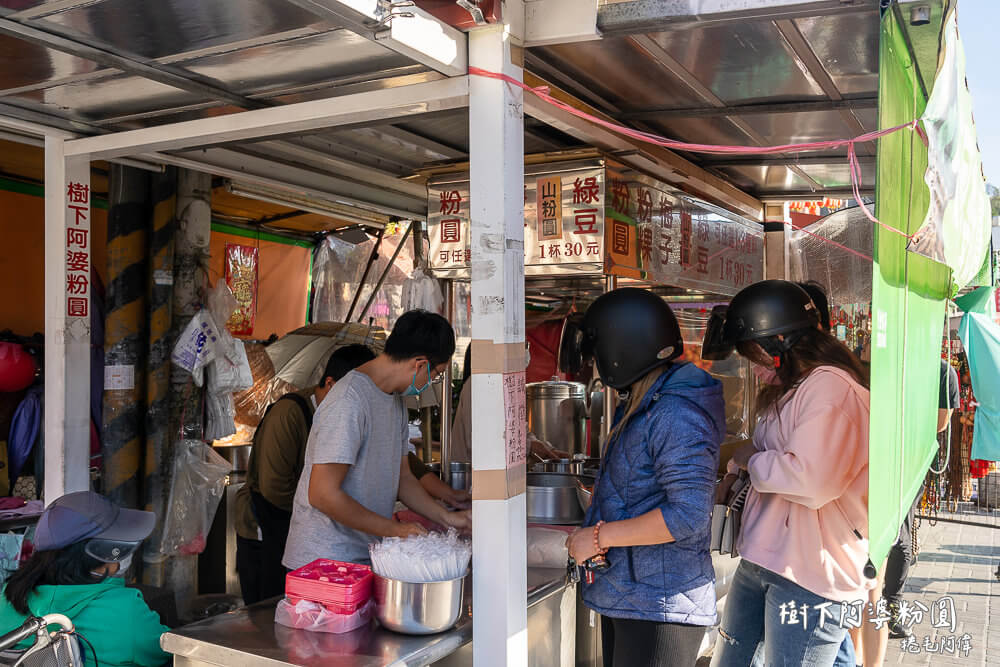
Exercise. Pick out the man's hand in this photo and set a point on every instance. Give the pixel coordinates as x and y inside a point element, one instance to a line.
<point>459,499</point>
<point>407,529</point>
<point>460,521</point>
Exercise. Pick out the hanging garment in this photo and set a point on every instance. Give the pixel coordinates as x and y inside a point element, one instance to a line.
<point>981,338</point>
<point>24,431</point>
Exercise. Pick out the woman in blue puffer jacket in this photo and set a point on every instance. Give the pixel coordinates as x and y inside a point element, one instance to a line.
<point>650,516</point>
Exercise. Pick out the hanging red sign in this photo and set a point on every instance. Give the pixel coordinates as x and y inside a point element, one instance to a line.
<point>241,277</point>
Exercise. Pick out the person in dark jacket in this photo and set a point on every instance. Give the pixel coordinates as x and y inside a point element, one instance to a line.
<point>650,516</point>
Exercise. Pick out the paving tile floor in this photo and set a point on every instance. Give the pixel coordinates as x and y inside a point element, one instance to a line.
<point>960,562</point>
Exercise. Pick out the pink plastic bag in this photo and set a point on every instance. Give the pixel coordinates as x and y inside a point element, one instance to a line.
<point>314,617</point>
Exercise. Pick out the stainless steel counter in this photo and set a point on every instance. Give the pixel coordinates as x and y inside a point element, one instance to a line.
<point>250,638</point>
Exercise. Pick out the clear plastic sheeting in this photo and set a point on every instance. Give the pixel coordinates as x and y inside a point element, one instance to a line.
<point>813,256</point>
<point>339,267</point>
<point>292,363</point>
<point>738,384</point>
<point>199,480</point>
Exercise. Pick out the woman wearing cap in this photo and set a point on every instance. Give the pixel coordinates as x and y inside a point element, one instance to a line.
<point>801,542</point>
<point>83,546</point>
<point>650,514</point>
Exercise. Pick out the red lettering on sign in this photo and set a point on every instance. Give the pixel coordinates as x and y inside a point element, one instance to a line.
<point>78,193</point>
<point>644,207</point>
<point>77,307</point>
<point>451,202</point>
<point>77,261</point>
<point>702,259</point>
<point>81,214</point>
<point>620,196</point>
<point>593,248</point>
<point>457,256</point>
<point>77,237</point>
<point>619,237</point>
<point>666,213</point>
<point>686,239</point>
<point>451,230</point>
<point>587,191</point>
<point>555,250</point>
<point>646,245</point>
<point>77,283</point>
<point>585,220</point>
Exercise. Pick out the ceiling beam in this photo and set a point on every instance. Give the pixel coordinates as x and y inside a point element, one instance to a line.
<point>289,119</point>
<point>800,160</point>
<point>409,31</point>
<point>165,74</point>
<point>661,57</point>
<point>646,16</point>
<point>810,106</point>
<point>662,163</point>
<point>812,195</point>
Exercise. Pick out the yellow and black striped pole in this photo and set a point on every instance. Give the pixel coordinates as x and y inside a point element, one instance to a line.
<point>156,467</point>
<point>125,335</point>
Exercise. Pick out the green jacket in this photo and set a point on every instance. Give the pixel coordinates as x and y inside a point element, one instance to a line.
<point>115,620</point>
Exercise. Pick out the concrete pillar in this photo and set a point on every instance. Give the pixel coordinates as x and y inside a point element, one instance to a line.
<point>160,282</point>
<point>125,335</point>
<point>499,441</point>
<point>66,425</point>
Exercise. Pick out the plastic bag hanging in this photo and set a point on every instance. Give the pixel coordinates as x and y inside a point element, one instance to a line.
<point>199,480</point>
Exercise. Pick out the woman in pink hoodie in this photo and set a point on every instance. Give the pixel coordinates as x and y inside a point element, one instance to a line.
<point>803,553</point>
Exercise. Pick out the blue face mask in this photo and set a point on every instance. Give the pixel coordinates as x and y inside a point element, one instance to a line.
<point>412,389</point>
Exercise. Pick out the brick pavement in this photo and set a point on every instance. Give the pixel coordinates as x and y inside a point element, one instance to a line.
<point>961,562</point>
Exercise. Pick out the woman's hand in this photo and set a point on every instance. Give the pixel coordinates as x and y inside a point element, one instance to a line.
<point>741,457</point>
<point>581,545</point>
<point>459,499</point>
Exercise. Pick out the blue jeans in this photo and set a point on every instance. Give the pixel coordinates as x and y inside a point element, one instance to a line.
<point>759,613</point>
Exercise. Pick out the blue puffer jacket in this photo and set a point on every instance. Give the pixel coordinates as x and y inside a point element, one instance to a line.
<point>665,458</point>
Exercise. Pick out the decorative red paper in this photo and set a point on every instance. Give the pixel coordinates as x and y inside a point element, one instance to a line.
<point>241,277</point>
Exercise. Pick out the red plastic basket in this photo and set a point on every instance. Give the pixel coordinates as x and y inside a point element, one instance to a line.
<point>335,584</point>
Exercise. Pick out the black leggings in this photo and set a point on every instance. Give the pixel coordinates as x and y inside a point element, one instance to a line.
<point>629,643</point>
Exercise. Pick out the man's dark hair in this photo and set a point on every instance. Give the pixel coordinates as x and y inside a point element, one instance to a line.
<point>818,296</point>
<point>419,333</point>
<point>345,360</point>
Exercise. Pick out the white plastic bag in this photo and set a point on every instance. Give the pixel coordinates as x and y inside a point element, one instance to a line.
<point>198,345</point>
<point>199,480</point>
<point>422,291</point>
<point>306,615</point>
<point>547,548</point>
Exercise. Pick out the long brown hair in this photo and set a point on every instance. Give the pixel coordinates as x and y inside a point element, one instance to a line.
<point>636,393</point>
<point>814,349</point>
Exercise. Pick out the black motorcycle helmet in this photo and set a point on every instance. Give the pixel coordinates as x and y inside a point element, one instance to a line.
<point>760,313</point>
<point>629,332</point>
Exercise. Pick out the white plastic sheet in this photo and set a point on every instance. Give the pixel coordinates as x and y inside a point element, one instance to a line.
<point>199,480</point>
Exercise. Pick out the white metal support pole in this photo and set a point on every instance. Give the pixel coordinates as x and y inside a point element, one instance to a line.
<point>67,321</point>
<point>496,199</point>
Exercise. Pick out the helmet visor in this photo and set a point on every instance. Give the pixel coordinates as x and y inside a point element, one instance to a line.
<point>715,347</point>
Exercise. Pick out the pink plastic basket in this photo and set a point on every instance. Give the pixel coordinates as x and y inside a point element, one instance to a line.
<point>329,582</point>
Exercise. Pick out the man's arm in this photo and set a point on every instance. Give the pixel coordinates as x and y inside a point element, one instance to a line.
<point>415,497</point>
<point>327,495</point>
<point>944,416</point>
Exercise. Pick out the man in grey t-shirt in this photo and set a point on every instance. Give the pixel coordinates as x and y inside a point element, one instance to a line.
<point>356,457</point>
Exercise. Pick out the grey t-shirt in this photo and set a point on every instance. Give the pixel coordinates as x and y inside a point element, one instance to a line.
<point>358,424</point>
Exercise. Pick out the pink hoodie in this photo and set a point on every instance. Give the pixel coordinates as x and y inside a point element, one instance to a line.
<point>810,488</point>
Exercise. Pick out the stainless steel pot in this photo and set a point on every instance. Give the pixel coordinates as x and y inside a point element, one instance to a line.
<point>237,455</point>
<point>551,498</point>
<point>418,608</point>
<point>568,466</point>
<point>557,414</point>
<point>461,476</point>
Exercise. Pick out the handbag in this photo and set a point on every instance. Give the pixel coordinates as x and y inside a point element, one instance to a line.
<point>727,517</point>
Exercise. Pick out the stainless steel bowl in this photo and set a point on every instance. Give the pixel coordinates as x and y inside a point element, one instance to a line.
<point>461,476</point>
<point>584,496</point>
<point>552,498</point>
<point>568,466</point>
<point>418,608</point>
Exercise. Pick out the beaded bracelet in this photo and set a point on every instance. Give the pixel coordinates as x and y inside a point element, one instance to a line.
<point>597,538</point>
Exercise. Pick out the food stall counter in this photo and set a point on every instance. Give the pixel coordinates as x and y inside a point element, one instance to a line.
<point>249,637</point>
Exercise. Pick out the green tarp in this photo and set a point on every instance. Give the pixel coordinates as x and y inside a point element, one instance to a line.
<point>908,308</point>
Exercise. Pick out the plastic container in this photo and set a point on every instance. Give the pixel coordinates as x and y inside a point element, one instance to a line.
<point>340,587</point>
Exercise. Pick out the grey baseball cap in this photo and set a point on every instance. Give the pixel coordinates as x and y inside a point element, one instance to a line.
<point>86,515</point>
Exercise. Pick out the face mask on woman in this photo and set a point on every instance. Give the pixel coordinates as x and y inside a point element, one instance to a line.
<point>764,374</point>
